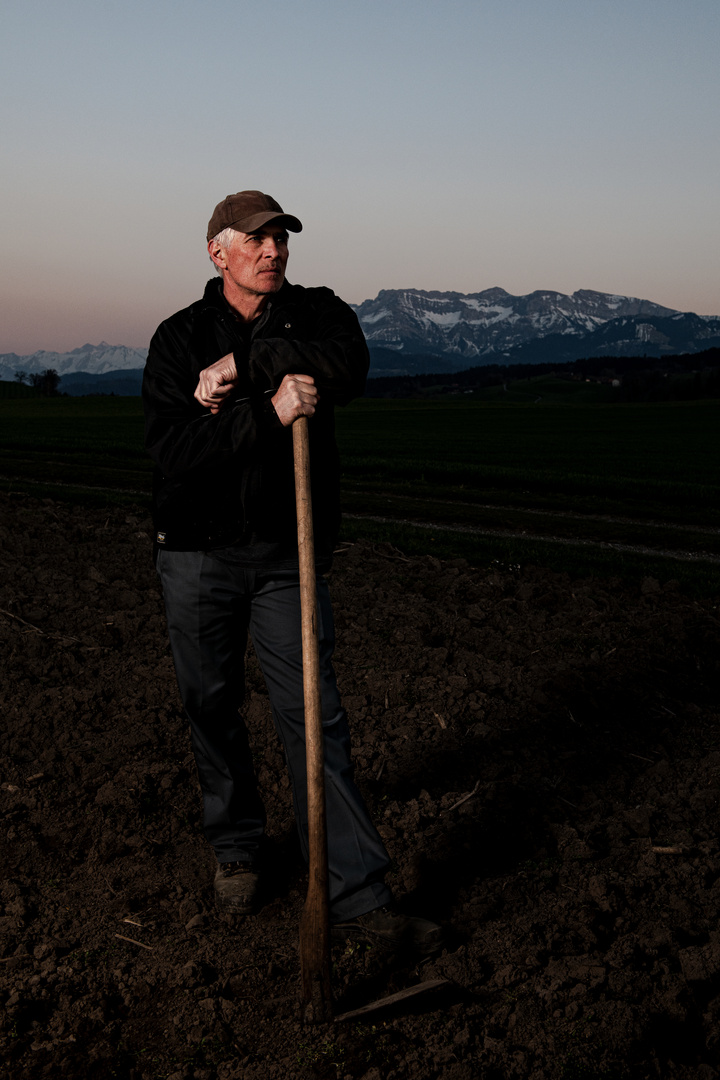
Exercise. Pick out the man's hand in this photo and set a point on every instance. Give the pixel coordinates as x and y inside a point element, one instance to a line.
<point>297,396</point>
<point>216,382</point>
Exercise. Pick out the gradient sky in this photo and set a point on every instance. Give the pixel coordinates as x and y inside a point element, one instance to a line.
<point>452,145</point>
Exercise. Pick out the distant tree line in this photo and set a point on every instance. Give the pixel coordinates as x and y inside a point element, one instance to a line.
<point>685,376</point>
<point>45,382</point>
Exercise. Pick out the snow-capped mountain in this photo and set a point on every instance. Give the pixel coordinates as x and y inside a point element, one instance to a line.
<point>476,325</point>
<point>644,335</point>
<point>92,358</point>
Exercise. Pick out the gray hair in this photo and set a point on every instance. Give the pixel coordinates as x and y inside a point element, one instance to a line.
<point>224,239</point>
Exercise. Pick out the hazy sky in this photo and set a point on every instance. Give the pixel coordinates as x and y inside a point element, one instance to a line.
<point>434,144</point>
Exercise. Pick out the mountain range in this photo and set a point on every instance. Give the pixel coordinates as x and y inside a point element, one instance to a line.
<point>410,331</point>
<point>462,330</point>
<point>97,359</point>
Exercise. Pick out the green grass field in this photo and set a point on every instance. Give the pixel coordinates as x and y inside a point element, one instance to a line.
<point>85,448</point>
<point>576,487</point>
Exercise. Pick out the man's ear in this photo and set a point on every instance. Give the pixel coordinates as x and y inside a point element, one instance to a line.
<point>217,254</point>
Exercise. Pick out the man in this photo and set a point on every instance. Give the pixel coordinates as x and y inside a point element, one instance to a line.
<point>224,381</point>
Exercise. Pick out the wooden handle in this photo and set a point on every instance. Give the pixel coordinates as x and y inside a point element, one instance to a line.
<point>315,922</point>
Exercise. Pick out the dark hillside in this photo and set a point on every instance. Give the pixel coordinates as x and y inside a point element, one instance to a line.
<point>685,376</point>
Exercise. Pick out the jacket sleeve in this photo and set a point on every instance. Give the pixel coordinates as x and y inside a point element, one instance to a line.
<point>180,435</point>
<point>335,352</point>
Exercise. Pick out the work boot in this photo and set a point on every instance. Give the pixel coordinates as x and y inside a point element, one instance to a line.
<point>387,927</point>
<point>236,887</point>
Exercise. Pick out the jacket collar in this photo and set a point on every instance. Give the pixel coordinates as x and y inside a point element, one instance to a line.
<point>213,297</point>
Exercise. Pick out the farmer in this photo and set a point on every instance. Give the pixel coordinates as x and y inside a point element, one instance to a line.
<point>224,381</point>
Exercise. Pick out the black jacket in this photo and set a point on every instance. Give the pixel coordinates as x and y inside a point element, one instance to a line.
<point>227,479</point>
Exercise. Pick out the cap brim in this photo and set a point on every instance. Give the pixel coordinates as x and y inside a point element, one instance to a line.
<point>256,221</point>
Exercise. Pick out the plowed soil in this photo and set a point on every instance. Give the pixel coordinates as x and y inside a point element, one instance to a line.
<point>541,755</point>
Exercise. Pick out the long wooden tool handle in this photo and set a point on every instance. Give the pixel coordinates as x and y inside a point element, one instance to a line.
<point>315,922</point>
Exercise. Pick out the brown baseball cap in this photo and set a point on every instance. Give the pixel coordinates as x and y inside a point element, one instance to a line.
<point>248,211</point>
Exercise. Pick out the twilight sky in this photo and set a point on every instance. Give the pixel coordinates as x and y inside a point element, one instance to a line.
<point>452,145</point>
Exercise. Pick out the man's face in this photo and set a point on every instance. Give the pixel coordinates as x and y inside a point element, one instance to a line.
<point>255,262</point>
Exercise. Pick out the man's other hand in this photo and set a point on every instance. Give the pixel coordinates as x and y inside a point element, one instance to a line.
<point>216,382</point>
<point>297,396</point>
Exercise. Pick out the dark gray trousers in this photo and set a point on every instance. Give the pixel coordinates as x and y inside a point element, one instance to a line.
<point>211,606</point>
